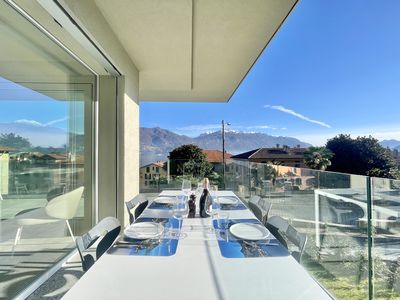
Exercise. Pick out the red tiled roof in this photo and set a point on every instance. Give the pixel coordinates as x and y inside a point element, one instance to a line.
<point>6,149</point>
<point>56,156</point>
<point>157,164</point>
<point>215,156</point>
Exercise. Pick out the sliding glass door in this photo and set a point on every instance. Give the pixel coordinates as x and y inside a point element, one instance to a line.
<point>46,146</point>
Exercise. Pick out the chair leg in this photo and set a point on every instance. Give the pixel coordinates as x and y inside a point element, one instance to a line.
<point>17,237</point>
<point>70,231</point>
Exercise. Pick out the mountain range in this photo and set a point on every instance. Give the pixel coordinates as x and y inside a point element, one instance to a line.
<point>392,144</point>
<point>156,143</point>
<point>38,135</point>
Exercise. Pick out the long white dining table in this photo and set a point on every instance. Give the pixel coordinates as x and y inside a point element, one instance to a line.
<point>197,270</point>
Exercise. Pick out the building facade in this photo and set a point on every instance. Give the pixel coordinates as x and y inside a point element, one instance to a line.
<point>151,173</point>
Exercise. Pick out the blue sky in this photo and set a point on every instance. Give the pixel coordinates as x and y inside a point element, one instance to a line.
<point>334,67</point>
<point>25,106</point>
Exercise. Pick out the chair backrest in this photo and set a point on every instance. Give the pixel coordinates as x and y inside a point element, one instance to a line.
<point>256,211</point>
<point>257,207</point>
<point>57,191</point>
<point>254,199</point>
<point>291,233</point>
<point>136,206</point>
<point>65,205</point>
<point>266,208</point>
<point>109,229</point>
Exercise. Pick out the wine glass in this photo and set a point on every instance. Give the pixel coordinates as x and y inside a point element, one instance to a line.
<point>211,209</point>
<point>214,194</point>
<point>200,188</point>
<point>181,210</point>
<point>186,187</point>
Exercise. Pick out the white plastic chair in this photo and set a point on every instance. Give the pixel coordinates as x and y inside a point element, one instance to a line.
<point>136,206</point>
<point>107,230</point>
<point>63,207</point>
<point>282,226</point>
<point>260,208</point>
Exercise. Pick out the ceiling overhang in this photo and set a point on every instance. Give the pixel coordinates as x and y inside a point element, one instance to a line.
<point>187,50</point>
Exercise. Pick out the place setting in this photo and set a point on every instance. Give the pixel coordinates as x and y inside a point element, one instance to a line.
<point>149,237</point>
<point>229,203</point>
<point>163,202</point>
<point>245,238</point>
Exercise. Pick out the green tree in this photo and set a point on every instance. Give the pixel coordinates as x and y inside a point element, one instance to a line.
<point>15,141</point>
<point>189,160</point>
<point>318,158</point>
<point>363,155</point>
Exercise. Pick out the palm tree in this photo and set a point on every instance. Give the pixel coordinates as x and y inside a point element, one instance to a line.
<point>318,158</point>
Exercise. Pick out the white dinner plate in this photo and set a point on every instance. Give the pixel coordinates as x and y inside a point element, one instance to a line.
<point>249,231</point>
<point>165,200</point>
<point>227,201</point>
<point>144,230</point>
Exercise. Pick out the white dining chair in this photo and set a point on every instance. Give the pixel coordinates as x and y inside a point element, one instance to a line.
<point>105,233</point>
<point>136,206</point>
<point>62,207</point>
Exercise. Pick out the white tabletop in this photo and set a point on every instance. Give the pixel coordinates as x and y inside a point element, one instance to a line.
<point>196,271</point>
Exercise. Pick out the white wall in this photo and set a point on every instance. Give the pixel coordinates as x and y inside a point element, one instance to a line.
<point>87,15</point>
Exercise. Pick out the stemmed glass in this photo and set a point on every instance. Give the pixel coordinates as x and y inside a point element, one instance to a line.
<point>186,187</point>
<point>180,210</point>
<point>212,206</point>
<point>200,188</point>
<point>214,193</point>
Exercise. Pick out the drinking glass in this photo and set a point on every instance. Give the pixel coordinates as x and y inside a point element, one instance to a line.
<point>212,211</point>
<point>214,191</point>
<point>186,187</point>
<point>223,220</point>
<point>200,188</point>
<point>181,209</point>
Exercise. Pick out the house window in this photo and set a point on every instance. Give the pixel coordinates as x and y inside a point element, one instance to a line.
<point>157,170</point>
<point>149,176</point>
<point>147,169</point>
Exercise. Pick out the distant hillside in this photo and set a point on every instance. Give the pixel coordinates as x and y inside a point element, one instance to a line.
<point>392,144</point>
<point>44,136</point>
<point>156,143</point>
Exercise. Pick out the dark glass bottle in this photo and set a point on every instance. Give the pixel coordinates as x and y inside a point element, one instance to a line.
<point>203,203</point>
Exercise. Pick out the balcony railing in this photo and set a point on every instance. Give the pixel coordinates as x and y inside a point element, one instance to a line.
<point>351,221</point>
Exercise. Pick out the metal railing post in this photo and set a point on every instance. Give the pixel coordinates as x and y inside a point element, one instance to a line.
<point>370,241</point>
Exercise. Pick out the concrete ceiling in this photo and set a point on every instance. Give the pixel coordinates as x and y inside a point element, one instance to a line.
<point>193,50</point>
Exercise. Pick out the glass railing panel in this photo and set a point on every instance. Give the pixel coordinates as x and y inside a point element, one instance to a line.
<point>169,174</point>
<point>386,237</point>
<point>237,178</point>
<point>330,208</point>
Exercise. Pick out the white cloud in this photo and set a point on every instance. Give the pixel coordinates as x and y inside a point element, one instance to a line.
<point>56,121</point>
<point>29,122</point>
<point>261,127</point>
<point>296,114</point>
<point>37,123</point>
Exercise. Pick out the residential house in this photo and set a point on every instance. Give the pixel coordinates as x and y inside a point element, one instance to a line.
<point>292,157</point>
<point>151,172</point>
<point>215,157</point>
